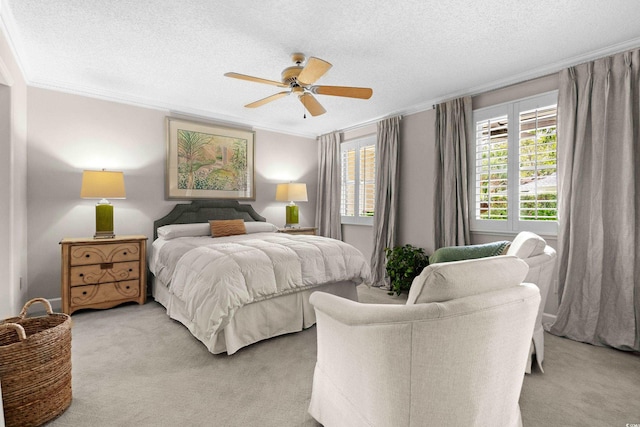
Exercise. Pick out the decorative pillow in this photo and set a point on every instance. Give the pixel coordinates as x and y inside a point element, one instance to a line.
<point>227,227</point>
<point>457,279</point>
<point>172,231</point>
<point>527,245</point>
<point>458,253</point>
<point>259,227</point>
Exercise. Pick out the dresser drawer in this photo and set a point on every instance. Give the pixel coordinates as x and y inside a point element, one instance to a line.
<point>104,273</point>
<point>97,254</point>
<point>97,294</point>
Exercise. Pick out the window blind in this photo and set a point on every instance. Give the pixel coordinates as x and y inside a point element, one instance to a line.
<point>492,168</point>
<point>538,189</point>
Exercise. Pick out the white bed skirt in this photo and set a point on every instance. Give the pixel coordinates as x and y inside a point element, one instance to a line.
<point>257,321</point>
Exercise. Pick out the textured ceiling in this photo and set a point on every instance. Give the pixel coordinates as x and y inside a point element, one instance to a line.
<point>172,54</point>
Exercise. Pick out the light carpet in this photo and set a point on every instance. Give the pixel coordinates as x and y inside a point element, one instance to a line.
<point>133,366</point>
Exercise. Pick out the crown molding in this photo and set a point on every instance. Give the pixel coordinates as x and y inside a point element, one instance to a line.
<point>153,104</point>
<point>510,81</point>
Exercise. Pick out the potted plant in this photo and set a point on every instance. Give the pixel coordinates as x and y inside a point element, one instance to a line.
<point>404,263</point>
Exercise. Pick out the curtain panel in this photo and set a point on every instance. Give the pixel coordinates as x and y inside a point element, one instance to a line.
<point>328,199</point>
<point>453,119</point>
<point>387,181</point>
<point>599,202</point>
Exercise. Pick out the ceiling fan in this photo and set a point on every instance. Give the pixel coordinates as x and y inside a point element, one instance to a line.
<point>300,79</point>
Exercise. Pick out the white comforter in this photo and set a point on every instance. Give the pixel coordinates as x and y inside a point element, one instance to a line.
<point>217,278</point>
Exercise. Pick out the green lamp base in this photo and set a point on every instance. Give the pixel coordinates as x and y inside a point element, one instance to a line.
<point>104,221</point>
<point>292,216</point>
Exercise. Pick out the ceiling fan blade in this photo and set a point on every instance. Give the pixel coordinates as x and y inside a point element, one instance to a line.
<point>263,101</point>
<point>255,79</point>
<point>311,104</point>
<point>349,92</point>
<point>314,69</point>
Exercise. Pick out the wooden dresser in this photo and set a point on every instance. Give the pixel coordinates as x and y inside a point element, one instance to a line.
<point>102,273</point>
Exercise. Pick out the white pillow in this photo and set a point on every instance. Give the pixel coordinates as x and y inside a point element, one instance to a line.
<point>259,227</point>
<point>173,231</point>
<point>458,279</point>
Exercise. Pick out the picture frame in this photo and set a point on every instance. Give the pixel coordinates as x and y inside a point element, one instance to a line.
<point>207,161</point>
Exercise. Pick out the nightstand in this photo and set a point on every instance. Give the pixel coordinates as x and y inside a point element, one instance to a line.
<point>102,273</point>
<point>299,230</point>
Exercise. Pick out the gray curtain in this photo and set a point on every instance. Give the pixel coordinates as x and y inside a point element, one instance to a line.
<point>450,202</point>
<point>599,202</point>
<point>328,200</point>
<point>387,181</point>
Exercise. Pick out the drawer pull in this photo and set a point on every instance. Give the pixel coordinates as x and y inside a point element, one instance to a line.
<point>106,265</point>
<point>131,269</point>
<point>124,253</point>
<point>81,274</point>
<point>87,256</point>
<point>84,292</point>
<point>128,287</point>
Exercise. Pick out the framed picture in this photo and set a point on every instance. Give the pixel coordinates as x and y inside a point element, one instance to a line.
<point>205,161</point>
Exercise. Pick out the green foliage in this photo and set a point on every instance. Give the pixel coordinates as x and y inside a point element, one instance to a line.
<point>537,160</point>
<point>404,263</point>
<point>203,162</point>
<point>239,163</point>
<point>541,207</point>
<point>191,150</point>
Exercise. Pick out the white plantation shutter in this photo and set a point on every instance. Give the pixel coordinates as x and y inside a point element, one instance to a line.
<point>514,166</point>
<point>358,166</point>
<point>348,188</point>
<point>367,180</point>
<point>538,190</point>
<point>491,168</point>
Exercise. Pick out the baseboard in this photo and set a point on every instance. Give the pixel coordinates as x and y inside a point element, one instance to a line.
<point>548,319</point>
<point>56,304</point>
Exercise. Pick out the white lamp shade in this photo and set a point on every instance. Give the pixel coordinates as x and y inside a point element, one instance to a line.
<point>291,192</point>
<point>102,185</point>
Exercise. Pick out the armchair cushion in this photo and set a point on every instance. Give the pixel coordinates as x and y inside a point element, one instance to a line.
<point>457,279</point>
<point>458,253</point>
<point>527,245</point>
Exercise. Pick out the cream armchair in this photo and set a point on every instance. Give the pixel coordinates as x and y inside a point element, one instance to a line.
<point>541,259</point>
<point>454,355</point>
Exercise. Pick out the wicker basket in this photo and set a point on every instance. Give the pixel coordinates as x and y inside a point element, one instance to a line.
<point>35,366</point>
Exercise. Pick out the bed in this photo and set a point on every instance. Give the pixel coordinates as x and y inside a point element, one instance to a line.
<point>235,290</point>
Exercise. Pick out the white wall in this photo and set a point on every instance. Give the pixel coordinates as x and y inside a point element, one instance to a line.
<point>13,177</point>
<point>69,133</point>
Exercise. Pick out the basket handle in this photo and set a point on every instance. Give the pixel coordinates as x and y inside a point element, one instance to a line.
<point>18,328</point>
<point>46,304</point>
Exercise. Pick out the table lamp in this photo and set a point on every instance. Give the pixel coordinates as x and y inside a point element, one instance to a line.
<point>102,185</point>
<point>291,192</point>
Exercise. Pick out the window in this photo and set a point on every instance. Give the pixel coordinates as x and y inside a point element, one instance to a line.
<point>358,180</point>
<point>514,166</point>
